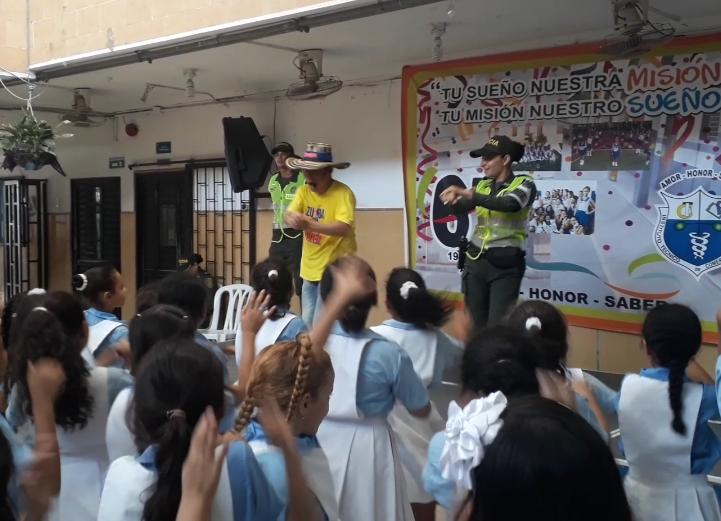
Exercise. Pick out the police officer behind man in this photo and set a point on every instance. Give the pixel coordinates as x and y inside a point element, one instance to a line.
<point>286,243</point>
<point>495,258</point>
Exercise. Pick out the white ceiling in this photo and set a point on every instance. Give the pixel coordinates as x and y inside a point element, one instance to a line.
<point>370,48</point>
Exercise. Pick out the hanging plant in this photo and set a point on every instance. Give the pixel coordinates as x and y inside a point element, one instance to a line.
<point>30,144</point>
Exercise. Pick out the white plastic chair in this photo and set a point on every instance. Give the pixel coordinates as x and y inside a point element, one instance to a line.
<point>238,295</point>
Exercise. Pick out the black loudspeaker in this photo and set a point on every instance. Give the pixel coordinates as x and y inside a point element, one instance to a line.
<point>245,152</point>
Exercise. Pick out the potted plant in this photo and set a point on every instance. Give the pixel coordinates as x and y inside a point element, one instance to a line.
<point>30,144</point>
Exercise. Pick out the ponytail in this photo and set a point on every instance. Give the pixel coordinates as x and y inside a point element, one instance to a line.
<point>412,302</point>
<point>166,408</point>
<point>675,390</point>
<point>672,333</point>
<point>173,445</point>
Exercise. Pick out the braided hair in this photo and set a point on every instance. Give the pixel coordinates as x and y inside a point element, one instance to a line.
<point>672,333</point>
<point>285,371</point>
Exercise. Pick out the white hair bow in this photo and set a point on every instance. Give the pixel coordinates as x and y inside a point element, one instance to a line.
<point>406,289</point>
<point>468,432</point>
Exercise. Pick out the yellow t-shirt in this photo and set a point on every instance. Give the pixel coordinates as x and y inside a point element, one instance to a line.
<point>335,205</point>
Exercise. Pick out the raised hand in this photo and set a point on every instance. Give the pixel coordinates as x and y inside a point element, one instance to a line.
<point>45,379</point>
<point>255,312</point>
<point>352,280</point>
<point>453,194</point>
<point>201,470</point>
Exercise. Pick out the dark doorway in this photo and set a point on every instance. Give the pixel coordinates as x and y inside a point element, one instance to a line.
<point>164,225</point>
<point>96,222</point>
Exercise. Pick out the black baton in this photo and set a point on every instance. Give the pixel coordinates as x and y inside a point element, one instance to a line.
<point>462,249</point>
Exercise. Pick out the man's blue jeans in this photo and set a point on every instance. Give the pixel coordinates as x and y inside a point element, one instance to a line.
<point>310,302</point>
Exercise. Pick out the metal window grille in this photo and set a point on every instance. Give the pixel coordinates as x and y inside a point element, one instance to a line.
<point>25,231</point>
<point>223,225</point>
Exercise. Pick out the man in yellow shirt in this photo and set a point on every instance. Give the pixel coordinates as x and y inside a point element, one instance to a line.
<point>325,210</point>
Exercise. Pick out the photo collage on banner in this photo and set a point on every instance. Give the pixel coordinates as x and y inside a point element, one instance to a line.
<point>624,152</point>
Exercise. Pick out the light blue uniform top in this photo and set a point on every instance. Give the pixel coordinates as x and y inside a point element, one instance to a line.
<point>442,490</point>
<point>606,397</point>
<point>253,498</point>
<point>272,463</point>
<point>448,350</point>
<point>94,316</point>
<point>294,328</point>
<point>705,447</point>
<point>607,400</point>
<point>385,374</point>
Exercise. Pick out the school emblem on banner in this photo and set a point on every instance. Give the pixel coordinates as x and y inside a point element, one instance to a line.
<point>688,232</point>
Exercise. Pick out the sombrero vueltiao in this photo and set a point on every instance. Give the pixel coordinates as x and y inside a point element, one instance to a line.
<point>316,157</point>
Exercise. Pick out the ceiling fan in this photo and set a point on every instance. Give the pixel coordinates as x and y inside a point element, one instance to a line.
<point>312,83</point>
<point>634,32</point>
<point>82,115</point>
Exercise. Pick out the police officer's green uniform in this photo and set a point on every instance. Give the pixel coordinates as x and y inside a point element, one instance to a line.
<point>495,260</point>
<point>287,243</point>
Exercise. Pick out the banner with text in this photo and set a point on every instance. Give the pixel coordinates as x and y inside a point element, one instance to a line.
<point>624,152</point>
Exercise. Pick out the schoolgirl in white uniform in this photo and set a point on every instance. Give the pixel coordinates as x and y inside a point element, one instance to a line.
<point>298,375</point>
<point>547,326</point>
<point>663,419</point>
<point>300,379</point>
<point>417,317</point>
<point>531,458</point>
<point>497,359</point>
<point>38,466</point>
<point>160,322</point>
<point>176,384</point>
<point>81,409</point>
<point>190,294</point>
<point>371,374</point>
<point>103,288</point>
<point>273,277</point>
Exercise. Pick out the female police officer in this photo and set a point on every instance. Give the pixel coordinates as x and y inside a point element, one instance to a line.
<point>495,260</point>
